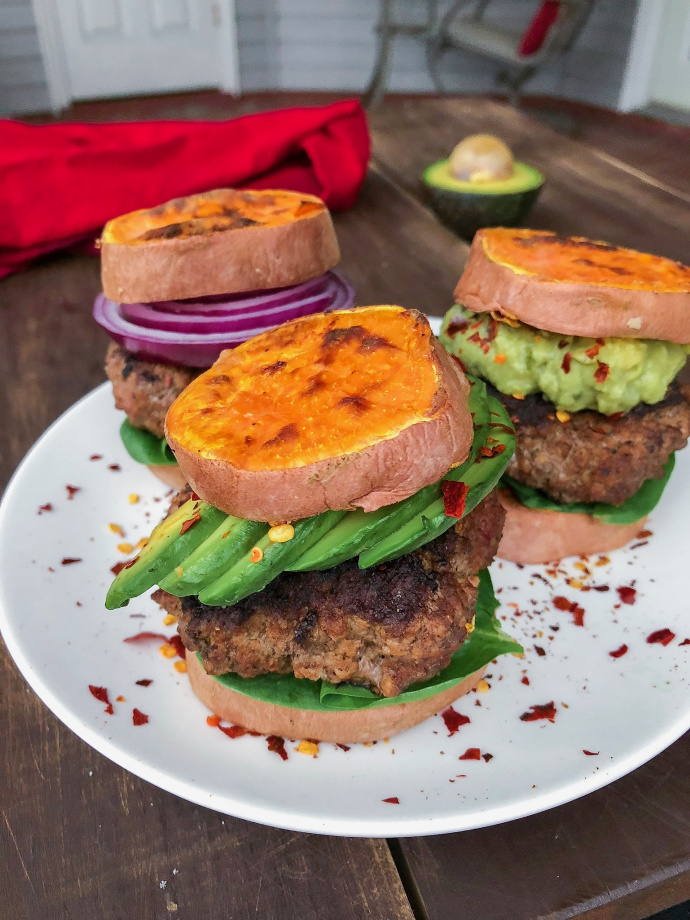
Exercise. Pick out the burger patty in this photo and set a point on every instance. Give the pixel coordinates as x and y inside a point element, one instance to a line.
<point>383,628</point>
<point>145,390</point>
<point>593,457</point>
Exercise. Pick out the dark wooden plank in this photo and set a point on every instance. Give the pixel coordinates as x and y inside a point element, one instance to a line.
<point>394,251</point>
<point>618,854</point>
<point>81,837</point>
<point>588,192</point>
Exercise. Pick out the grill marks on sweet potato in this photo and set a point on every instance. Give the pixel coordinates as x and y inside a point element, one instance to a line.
<point>216,211</point>
<point>577,260</point>
<point>323,386</point>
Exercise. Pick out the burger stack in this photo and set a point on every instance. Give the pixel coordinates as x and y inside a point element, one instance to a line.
<point>582,341</point>
<point>194,276</point>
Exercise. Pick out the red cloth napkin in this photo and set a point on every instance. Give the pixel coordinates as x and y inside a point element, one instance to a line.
<point>539,27</point>
<point>60,183</point>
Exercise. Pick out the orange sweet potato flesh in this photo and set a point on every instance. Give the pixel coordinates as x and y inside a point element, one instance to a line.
<point>222,209</point>
<point>582,261</point>
<point>356,408</point>
<point>576,286</point>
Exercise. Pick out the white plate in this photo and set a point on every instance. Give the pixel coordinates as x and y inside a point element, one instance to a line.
<point>62,638</point>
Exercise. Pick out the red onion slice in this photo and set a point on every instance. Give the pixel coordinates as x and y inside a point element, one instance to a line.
<point>158,332</point>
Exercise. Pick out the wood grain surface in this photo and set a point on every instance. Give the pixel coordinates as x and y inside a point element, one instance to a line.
<point>81,838</point>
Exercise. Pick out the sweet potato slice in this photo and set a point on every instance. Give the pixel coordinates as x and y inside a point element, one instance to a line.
<point>533,536</point>
<point>576,286</point>
<point>355,408</point>
<point>219,242</point>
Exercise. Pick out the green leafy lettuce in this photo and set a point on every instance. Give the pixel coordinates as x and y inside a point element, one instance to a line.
<point>485,643</point>
<point>145,447</point>
<point>637,506</point>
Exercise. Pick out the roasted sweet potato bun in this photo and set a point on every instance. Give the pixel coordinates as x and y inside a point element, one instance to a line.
<point>219,242</point>
<point>346,727</point>
<point>576,286</point>
<point>532,536</point>
<point>351,409</point>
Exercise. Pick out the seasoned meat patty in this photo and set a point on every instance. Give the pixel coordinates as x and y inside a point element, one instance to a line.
<point>383,628</point>
<point>593,457</point>
<point>145,390</point>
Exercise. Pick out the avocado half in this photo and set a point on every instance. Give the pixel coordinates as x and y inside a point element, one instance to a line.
<point>468,206</point>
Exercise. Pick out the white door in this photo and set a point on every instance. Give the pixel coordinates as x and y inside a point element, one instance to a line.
<point>131,47</point>
<point>670,82</point>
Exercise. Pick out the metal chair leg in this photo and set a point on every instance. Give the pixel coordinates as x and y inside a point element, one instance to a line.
<point>377,85</point>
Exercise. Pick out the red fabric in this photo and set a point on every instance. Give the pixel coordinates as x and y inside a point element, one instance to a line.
<point>538,29</point>
<point>60,183</point>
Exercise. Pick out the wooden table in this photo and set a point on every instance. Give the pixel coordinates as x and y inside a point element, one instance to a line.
<point>84,839</point>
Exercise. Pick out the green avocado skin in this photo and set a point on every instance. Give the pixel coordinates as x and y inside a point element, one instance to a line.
<point>466,211</point>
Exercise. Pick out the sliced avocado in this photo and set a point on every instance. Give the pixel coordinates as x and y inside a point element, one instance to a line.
<point>358,530</point>
<point>247,577</point>
<point>467,206</point>
<point>219,552</point>
<point>173,539</point>
<point>480,476</point>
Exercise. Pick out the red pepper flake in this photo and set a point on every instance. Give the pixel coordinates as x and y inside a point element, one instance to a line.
<point>453,720</point>
<point>525,681</point>
<point>600,588</point>
<point>595,349</point>
<point>602,372</point>
<point>685,642</point>
<point>454,497</point>
<point>71,492</point>
<point>662,636</point>
<point>115,467</point>
<point>393,800</point>
<point>471,754</point>
<point>96,457</point>
<point>492,451</point>
<point>176,643</point>
<point>101,695</point>
<point>277,746</point>
<point>343,747</point>
<point>233,731</point>
<point>118,567</point>
<point>46,507</point>
<point>144,682</point>
<point>565,363</point>
<point>626,594</point>
<point>539,650</point>
<point>540,711</point>
<point>138,717</point>
<point>562,603</point>
<point>143,636</point>
<point>70,560</point>
<point>590,753</point>
<point>643,534</point>
<point>487,757</point>
<point>619,652</point>
<point>188,524</point>
<point>457,325</point>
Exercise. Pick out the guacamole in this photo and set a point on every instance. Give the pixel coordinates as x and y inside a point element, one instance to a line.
<point>609,375</point>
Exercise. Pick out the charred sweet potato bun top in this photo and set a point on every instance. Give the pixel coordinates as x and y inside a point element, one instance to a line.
<point>576,286</point>
<point>575,259</point>
<point>219,210</point>
<point>352,408</point>
<point>217,242</point>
